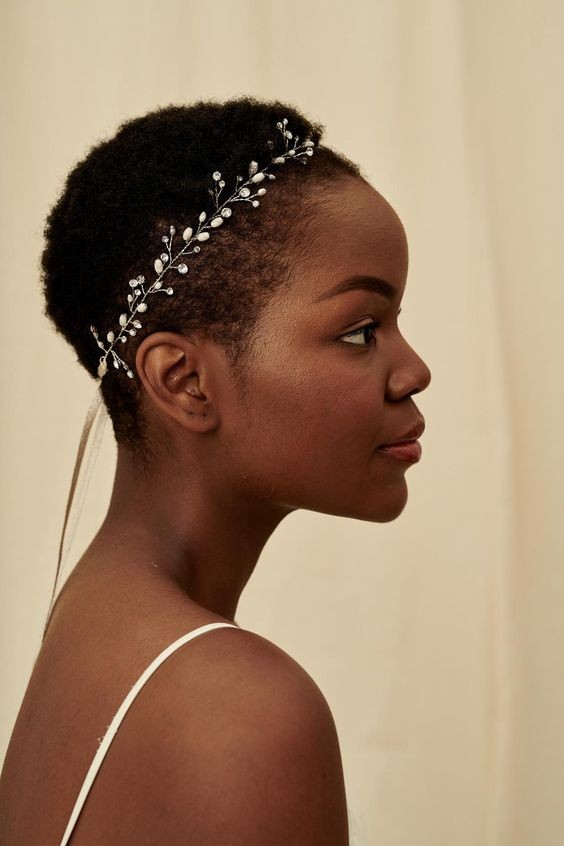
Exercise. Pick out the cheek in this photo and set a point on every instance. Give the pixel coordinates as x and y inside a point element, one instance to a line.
<point>305,413</point>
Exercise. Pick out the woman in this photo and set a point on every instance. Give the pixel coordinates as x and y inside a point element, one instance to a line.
<point>266,373</point>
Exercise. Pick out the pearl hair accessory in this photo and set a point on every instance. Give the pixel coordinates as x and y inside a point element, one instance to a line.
<point>97,415</point>
<point>166,261</point>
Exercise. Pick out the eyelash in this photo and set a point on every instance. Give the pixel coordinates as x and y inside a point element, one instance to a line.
<point>368,326</point>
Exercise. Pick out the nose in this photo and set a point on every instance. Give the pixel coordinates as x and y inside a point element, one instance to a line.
<point>423,375</point>
<point>410,376</point>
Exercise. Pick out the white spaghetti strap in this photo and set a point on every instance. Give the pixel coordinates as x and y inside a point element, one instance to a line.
<point>122,711</point>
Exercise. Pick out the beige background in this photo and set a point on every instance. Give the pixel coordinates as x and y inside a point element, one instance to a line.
<point>437,639</point>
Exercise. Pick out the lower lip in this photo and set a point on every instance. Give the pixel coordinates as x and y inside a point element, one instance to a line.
<point>409,452</point>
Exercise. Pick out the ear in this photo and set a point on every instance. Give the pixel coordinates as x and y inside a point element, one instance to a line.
<point>174,371</point>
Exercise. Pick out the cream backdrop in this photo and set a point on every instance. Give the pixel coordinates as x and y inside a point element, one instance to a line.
<point>437,639</point>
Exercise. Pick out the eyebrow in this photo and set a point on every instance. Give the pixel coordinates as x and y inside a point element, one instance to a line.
<point>366,283</point>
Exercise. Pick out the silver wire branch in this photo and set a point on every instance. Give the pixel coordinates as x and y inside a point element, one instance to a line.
<point>166,261</point>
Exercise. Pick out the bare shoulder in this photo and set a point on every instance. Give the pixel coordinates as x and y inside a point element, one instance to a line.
<point>251,754</point>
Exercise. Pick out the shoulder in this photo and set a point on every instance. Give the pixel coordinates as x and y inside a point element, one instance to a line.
<point>250,749</point>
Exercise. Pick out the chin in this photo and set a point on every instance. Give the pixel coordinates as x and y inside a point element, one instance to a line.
<point>388,506</point>
<point>380,503</point>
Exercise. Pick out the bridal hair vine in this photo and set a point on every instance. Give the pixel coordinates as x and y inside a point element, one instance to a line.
<point>129,324</point>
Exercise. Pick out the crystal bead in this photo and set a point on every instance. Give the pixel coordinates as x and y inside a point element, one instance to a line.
<point>137,324</point>
<point>130,374</point>
<point>172,230</point>
<point>216,175</point>
<point>133,282</point>
<point>256,203</point>
<point>226,212</point>
<point>132,331</point>
<point>123,339</point>
<point>170,290</point>
<point>164,257</point>
<point>165,239</point>
<point>253,167</point>
<point>279,160</point>
<point>197,249</point>
<point>182,268</point>
<point>244,192</point>
<point>222,183</point>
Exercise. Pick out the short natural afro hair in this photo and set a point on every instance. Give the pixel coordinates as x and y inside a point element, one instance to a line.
<point>119,200</point>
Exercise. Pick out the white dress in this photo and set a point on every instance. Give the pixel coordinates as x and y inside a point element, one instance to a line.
<point>355,832</point>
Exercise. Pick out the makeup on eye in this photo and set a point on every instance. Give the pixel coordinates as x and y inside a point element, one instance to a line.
<point>359,331</point>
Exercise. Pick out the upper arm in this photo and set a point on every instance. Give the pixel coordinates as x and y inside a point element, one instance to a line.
<point>258,762</point>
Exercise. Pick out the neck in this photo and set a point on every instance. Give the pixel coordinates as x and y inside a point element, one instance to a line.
<point>195,527</point>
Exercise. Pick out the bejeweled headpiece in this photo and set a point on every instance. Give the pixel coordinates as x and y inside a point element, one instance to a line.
<point>166,261</point>
<point>97,413</point>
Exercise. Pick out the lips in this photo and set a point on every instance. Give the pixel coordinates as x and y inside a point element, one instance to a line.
<point>409,436</point>
<point>409,451</point>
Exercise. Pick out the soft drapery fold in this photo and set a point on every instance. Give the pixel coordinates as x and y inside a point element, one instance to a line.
<point>436,638</point>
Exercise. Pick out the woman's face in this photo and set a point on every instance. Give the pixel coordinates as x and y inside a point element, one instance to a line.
<point>326,387</point>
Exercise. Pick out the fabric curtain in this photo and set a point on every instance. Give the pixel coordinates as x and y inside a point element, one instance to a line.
<point>437,639</point>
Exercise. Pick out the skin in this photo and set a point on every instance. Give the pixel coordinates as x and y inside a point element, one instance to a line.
<point>303,435</point>
<point>177,548</point>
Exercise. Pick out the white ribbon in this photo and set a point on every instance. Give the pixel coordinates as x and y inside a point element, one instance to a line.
<point>97,412</point>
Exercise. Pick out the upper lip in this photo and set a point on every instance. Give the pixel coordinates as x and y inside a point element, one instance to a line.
<point>411,435</point>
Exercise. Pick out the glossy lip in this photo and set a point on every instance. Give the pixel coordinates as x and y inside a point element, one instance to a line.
<point>408,452</point>
<point>411,435</point>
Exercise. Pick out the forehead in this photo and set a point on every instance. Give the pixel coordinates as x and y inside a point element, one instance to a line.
<point>352,231</point>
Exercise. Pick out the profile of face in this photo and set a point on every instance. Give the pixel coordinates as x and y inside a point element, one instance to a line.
<point>331,376</point>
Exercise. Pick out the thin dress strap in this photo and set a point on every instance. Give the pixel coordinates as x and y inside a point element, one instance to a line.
<point>122,711</point>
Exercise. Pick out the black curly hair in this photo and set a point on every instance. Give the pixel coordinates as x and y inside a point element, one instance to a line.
<point>119,200</point>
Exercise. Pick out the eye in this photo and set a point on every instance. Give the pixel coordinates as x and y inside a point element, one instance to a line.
<point>361,332</point>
